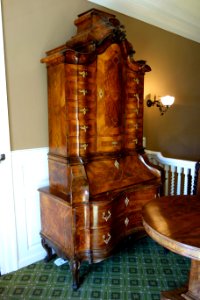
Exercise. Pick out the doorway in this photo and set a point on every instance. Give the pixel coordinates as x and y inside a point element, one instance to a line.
<point>8,246</point>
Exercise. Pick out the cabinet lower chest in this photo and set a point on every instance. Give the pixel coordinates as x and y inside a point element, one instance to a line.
<point>90,231</point>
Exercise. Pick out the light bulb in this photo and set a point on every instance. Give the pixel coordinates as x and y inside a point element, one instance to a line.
<point>167,100</point>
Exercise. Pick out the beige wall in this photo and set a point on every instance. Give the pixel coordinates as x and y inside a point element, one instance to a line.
<point>32,27</point>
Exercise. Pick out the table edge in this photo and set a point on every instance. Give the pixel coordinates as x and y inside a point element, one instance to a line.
<point>174,246</point>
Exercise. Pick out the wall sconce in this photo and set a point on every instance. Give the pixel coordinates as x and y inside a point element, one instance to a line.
<point>163,104</point>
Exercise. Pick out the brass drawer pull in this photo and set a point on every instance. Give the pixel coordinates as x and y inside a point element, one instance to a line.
<point>126,221</point>
<point>83,73</point>
<point>106,240</point>
<point>137,96</point>
<point>114,143</point>
<point>84,146</point>
<point>84,92</point>
<point>135,141</point>
<point>116,163</point>
<point>83,110</point>
<point>126,201</point>
<point>136,110</point>
<point>106,217</point>
<point>136,80</point>
<point>84,127</point>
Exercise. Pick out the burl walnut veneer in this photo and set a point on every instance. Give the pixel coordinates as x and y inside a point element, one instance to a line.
<point>98,172</point>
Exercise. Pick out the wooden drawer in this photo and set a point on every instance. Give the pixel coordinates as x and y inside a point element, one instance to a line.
<point>101,215</point>
<point>100,238</point>
<point>132,84</point>
<point>132,113</point>
<point>109,143</point>
<point>131,141</point>
<point>81,72</point>
<point>80,91</point>
<point>82,129</point>
<point>81,146</point>
<point>139,198</point>
<point>131,96</point>
<point>98,213</point>
<point>133,78</point>
<point>131,125</point>
<point>133,102</point>
<point>133,221</point>
<point>107,213</point>
<point>81,110</point>
<point>129,201</point>
<point>104,212</point>
<point>107,237</point>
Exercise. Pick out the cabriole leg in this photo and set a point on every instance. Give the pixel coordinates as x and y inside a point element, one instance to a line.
<point>75,266</point>
<point>48,250</point>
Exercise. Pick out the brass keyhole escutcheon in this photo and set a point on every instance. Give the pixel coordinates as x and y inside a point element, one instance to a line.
<point>116,163</point>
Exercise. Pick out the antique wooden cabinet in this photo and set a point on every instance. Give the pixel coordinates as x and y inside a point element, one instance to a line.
<point>99,176</point>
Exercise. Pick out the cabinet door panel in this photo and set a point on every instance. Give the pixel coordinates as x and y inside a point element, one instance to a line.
<point>109,91</point>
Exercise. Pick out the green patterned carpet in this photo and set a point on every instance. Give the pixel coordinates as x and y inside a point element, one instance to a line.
<point>138,272</point>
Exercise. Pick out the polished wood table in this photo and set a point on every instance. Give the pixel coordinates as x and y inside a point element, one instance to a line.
<point>174,223</point>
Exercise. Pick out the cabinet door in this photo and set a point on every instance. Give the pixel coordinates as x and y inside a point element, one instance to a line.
<point>109,92</point>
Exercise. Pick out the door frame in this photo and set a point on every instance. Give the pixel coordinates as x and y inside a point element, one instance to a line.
<point>8,235</point>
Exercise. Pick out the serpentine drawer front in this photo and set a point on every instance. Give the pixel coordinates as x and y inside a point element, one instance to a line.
<point>99,176</point>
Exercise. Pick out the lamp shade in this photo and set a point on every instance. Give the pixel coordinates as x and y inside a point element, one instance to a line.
<point>167,100</point>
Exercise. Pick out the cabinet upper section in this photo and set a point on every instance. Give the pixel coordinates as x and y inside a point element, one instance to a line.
<point>95,90</point>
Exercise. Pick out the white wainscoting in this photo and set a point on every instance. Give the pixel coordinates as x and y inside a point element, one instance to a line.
<point>30,172</point>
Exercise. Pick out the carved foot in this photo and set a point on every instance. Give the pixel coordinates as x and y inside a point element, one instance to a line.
<point>75,266</point>
<point>48,250</point>
<point>176,294</point>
